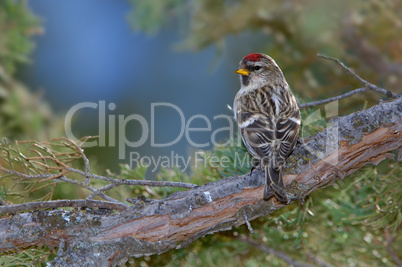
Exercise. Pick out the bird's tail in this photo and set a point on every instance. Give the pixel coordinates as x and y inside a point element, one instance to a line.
<point>274,184</point>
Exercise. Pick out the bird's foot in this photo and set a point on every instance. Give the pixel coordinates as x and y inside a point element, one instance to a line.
<point>256,164</point>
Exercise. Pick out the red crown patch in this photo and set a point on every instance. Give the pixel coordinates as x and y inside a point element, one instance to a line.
<point>253,57</point>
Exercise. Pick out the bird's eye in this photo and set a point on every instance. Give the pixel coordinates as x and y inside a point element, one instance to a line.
<point>257,67</point>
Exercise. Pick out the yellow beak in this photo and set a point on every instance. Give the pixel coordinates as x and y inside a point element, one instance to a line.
<point>243,72</point>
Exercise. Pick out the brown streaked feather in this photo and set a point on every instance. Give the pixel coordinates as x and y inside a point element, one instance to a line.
<point>261,133</point>
<point>269,118</point>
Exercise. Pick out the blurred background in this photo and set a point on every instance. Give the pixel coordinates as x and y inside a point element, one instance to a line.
<point>116,53</point>
<point>57,54</point>
<point>134,53</point>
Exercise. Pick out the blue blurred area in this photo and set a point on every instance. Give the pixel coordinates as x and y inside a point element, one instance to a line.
<point>89,53</point>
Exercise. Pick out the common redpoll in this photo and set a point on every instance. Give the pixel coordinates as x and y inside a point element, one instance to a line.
<point>269,118</point>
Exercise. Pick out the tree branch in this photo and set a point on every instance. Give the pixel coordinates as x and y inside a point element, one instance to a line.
<point>248,223</point>
<point>368,86</point>
<point>366,83</point>
<point>389,238</point>
<point>335,98</point>
<point>113,182</point>
<point>153,227</point>
<point>75,203</point>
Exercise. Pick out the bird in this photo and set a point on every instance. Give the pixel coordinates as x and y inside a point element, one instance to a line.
<point>269,119</point>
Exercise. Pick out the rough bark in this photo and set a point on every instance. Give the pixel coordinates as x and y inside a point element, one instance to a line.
<point>156,226</point>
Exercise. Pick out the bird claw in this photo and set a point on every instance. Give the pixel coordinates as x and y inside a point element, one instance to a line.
<point>299,142</point>
<point>255,165</point>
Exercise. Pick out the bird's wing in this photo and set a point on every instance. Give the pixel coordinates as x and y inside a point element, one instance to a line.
<point>258,133</point>
<point>287,132</point>
<point>264,138</point>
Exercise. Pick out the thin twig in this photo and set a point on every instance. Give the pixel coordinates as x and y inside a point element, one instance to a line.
<point>26,176</point>
<point>75,203</point>
<point>136,182</point>
<point>105,197</point>
<point>2,202</point>
<point>84,157</point>
<point>99,177</point>
<point>58,162</point>
<point>102,189</point>
<point>366,83</point>
<point>54,176</point>
<point>272,251</point>
<point>368,86</point>
<point>389,240</point>
<point>97,192</point>
<point>65,169</point>
<point>248,223</point>
<point>318,260</point>
<point>332,99</point>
